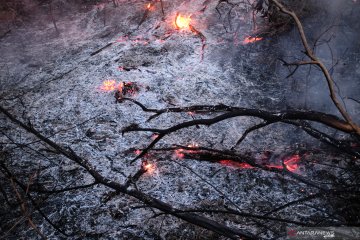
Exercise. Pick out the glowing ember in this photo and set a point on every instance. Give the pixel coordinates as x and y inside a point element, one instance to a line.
<point>249,39</point>
<point>193,145</point>
<point>148,6</point>
<point>108,85</point>
<point>230,163</point>
<point>179,153</point>
<point>137,151</point>
<point>120,86</point>
<point>148,167</point>
<point>291,163</point>
<point>126,89</point>
<point>182,22</point>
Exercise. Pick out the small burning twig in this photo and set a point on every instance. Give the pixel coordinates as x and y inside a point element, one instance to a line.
<point>287,166</point>
<point>202,37</point>
<point>146,14</point>
<point>183,23</point>
<point>250,39</point>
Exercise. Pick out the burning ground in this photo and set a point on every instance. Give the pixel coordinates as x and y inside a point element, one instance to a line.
<point>82,74</point>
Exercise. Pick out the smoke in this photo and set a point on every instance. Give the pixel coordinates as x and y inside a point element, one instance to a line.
<point>333,28</point>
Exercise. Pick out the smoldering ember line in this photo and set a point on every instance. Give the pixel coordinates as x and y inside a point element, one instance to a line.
<point>246,121</point>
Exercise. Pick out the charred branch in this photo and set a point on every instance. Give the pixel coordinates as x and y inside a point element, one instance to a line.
<point>323,118</point>
<point>231,112</point>
<point>146,199</point>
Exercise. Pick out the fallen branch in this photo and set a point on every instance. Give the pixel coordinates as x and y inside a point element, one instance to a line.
<point>143,197</point>
<point>232,112</point>
<point>101,49</point>
<point>323,118</point>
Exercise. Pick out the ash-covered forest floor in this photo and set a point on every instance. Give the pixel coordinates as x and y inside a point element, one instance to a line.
<point>55,79</point>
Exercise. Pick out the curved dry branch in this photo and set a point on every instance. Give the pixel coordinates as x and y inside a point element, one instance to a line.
<point>316,61</point>
<point>324,118</point>
<point>231,112</point>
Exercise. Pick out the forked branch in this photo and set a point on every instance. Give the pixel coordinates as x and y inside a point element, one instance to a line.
<point>316,61</point>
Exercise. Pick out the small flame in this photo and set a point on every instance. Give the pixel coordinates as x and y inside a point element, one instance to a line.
<point>182,22</point>
<point>149,167</point>
<point>148,6</point>
<point>108,85</point>
<point>249,39</point>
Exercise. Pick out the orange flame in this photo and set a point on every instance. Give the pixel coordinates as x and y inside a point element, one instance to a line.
<point>149,167</point>
<point>148,6</point>
<point>182,22</point>
<point>120,86</point>
<point>249,39</point>
<point>108,85</point>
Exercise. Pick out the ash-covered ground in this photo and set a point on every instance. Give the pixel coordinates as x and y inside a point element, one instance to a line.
<point>55,58</point>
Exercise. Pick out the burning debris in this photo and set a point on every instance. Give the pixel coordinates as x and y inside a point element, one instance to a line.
<point>108,85</point>
<point>268,161</point>
<point>148,167</point>
<point>122,89</point>
<point>250,39</point>
<point>182,22</point>
<point>126,89</point>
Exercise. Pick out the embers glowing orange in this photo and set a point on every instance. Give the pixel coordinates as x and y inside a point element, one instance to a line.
<point>120,86</point>
<point>182,22</point>
<point>230,163</point>
<point>291,163</point>
<point>108,85</point>
<point>251,39</point>
<point>148,6</point>
<point>149,167</point>
<point>179,153</point>
<point>193,145</point>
